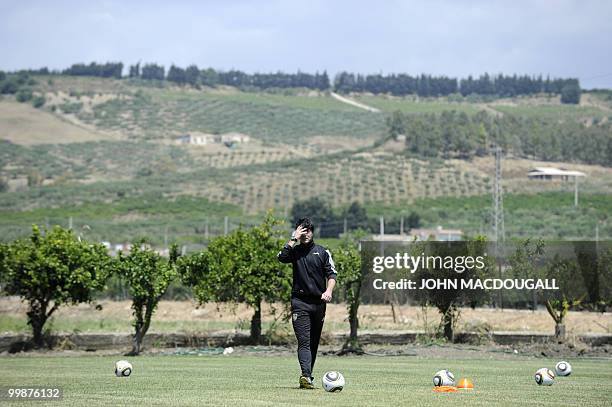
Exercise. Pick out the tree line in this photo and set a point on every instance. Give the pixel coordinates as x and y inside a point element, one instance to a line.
<point>332,223</point>
<point>194,76</point>
<point>453,134</point>
<point>428,85</point>
<point>54,268</point>
<point>106,70</point>
<point>344,82</point>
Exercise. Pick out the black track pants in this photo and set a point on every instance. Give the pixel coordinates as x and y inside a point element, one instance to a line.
<point>307,323</point>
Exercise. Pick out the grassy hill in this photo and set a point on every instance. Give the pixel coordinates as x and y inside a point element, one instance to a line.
<point>138,110</point>
<point>23,124</point>
<point>101,151</point>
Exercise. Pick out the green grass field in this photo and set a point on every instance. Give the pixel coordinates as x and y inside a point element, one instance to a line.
<point>409,105</point>
<point>272,381</point>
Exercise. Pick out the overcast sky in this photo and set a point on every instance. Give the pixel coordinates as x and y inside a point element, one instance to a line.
<point>563,38</point>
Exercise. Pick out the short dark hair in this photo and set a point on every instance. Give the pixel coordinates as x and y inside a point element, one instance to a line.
<point>305,223</point>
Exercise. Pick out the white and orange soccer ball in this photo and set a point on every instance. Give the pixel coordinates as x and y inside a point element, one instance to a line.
<point>544,377</point>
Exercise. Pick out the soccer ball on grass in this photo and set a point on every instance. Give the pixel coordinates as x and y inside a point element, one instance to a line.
<point>123,368</point>
<point>333,381</point>
<point>563,368</point>
<point>444,378</point>
<point>544,377</point>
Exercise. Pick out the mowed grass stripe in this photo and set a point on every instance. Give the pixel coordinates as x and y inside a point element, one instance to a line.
<point>272,381</point>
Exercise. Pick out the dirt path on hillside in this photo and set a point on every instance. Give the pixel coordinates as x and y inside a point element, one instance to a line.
<point>354,103</point>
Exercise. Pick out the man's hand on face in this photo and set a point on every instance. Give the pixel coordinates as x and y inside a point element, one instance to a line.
<point>298,233</point>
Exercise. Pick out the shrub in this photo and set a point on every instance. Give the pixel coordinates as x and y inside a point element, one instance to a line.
<point>23,95</point>
<point>38,101</point>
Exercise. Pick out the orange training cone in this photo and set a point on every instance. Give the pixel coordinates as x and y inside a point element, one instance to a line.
<point>465,384</point>
<point>445,389</point>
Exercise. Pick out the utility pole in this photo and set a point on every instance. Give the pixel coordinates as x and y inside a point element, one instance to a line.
<point>575,190</point>
<point>382,226</point>
<point>499,232</point>
<point>597,237</point>
<point>498,214</point>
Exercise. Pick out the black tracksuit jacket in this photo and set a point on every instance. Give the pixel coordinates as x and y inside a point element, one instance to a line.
<point>312,267</point>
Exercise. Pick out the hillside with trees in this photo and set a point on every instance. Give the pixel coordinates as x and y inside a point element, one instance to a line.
<point>417,160</point>
<point>400,84</point>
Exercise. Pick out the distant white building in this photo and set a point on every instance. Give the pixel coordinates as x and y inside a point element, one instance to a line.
<point>391,238</point>
<point>201,139</point>
<point>195,138</point>
<point>551,173</point>
<point>235,138</point>
<point>438,234</point>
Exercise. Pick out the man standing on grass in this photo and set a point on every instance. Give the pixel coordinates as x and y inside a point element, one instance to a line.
<point>314,278</point>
